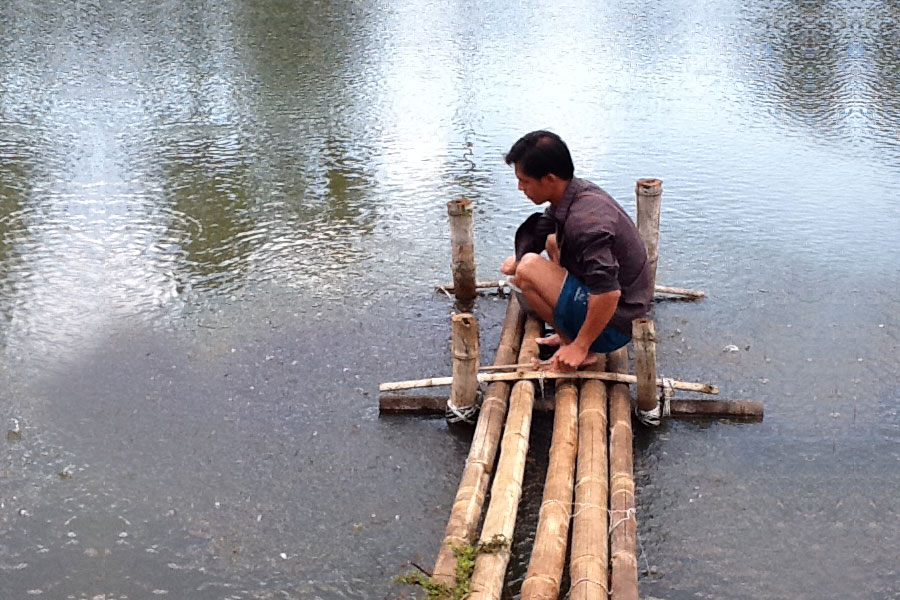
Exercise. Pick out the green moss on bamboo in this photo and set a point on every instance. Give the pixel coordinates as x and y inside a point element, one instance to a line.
<point>465,565</point>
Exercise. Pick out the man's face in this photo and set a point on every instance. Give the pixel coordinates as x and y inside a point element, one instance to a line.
<point>536,190</point>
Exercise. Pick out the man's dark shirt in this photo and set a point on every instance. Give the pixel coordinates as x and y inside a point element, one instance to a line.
<point>599,244</point>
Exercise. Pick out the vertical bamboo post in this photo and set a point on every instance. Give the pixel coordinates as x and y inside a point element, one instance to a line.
<point>476,475</point>
<point>589,566</point>
<point>648,193</point>
<point>462,240</point>
<point>465,351</point>
<point>548,555</point>
<point>500,518</point>
<point>644,340</point>
<point>623,523</point>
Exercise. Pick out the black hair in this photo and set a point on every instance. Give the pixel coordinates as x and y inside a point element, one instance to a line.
<point>540,153</point>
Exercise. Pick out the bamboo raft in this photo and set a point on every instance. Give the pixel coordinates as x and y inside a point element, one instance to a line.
<point>588,511</point>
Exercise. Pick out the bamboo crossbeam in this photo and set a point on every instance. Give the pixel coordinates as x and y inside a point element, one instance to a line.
<point>467,505</point>
<point>479,285</point>
<point>548,555</point>
<point>717,408</point>
<point>705,388</point>
<point>623,521</point>
<point>659,289</point>
<point>677,291</point>
<point>406,404</point>
<point>589,565</point>
<point>500,517</point>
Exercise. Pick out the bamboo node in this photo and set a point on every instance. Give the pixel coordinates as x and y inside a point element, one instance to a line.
<point>587,506</point>
<point>624,482</point>
<point>566,505</point>
<point>588,580</point>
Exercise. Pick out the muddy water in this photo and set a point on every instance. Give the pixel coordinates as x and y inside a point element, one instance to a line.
<point>220,227</point>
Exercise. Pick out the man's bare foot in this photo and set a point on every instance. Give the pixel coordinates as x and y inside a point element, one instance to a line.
<point>551,340</point>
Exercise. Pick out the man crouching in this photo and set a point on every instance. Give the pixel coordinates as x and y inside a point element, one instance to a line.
<point>597,278</point>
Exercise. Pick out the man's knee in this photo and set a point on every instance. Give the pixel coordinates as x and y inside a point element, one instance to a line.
<point>529,267</point>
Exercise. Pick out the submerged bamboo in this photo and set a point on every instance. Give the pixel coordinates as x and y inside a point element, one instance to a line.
<point>465,353</point>
<point>644,340</point>
<point>623,523</point>
<point>589,566</point>
<point>402,404</point>
<point>648,193</point>
<point>462,241</point>
<point>469,499</point>
<point>500,518</point>
<point>718,408</point>
<point>548,555</point>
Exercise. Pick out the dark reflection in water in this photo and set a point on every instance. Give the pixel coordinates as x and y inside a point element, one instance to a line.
<point>207,186</point>
<point>219,227</point>
<point>829,66</point>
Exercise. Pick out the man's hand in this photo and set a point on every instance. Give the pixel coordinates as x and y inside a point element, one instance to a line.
<point>567,359</point>
<point>509,266</point>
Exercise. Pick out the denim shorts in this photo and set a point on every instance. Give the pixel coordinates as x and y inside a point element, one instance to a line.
<point>570,311</point>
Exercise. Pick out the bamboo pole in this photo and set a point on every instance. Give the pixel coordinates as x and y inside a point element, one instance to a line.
<point>688,386</point>
<point>548,555</point>
<point>479,285</point>
<point>643,336</point>
<point>411,404</point>
<point>462,241</point>
<point>403,404</point>
<point>465,353</point>
<point>469,499</point>
<point>676,291</point>
<point>589,566</point>
<point>717,408</point>
<point>498,285</point>
<point>623,526</point>
<point>500,518</point>
<point>648,193</point>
